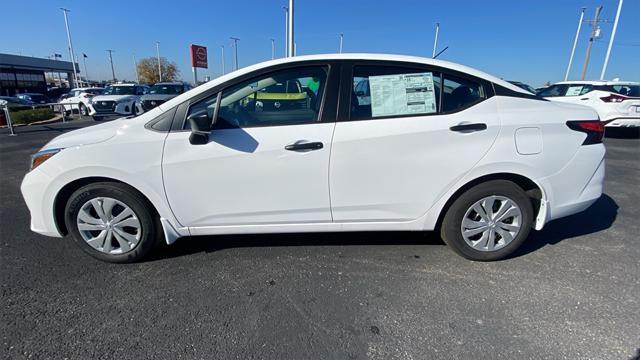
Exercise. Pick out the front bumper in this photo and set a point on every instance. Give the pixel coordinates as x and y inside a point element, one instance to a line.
<point>40,203</point>
<point>119,109</point>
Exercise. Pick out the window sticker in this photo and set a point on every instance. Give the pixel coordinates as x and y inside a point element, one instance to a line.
<point>574,90</point>
<point>402,94</point>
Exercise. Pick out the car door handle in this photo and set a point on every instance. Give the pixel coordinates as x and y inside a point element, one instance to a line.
<point>469,127</point>
<point>304,146</point>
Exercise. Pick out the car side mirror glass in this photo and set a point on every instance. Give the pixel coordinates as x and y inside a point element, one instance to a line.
<point>200,128</point>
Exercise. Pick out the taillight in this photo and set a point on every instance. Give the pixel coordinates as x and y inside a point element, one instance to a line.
<point>614,98</point>
<point>593,128</point>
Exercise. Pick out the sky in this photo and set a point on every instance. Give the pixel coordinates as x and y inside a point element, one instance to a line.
<point>525,40</point>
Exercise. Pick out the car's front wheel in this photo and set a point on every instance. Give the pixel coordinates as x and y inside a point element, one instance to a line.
<point>112,222</point>
<point>489,221</point>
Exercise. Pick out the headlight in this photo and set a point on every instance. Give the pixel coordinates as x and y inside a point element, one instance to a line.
<point>41,156</point>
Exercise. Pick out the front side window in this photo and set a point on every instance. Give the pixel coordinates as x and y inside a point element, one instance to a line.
<point>389,91</point>
<point>459,93</point>
<point>284,97</point>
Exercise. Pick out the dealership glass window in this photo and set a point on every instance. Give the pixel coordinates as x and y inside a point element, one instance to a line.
<point>393,91</point>
<point>460,93</point>
<point>285,97</point>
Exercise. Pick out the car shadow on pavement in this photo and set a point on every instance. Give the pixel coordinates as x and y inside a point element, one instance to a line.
<point>600,216</point>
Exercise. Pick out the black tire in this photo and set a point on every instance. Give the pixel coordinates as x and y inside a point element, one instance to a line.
<point>150,228</point>
<point>451,231</point>
<point>82,111</point>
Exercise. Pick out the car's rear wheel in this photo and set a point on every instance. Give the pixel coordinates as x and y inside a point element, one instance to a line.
<point>489,221</point>
<point>83,110</point>
<point>112,222</point>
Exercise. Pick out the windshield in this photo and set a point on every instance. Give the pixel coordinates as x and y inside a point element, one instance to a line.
<point>166,89</point>
<point>119,90</point>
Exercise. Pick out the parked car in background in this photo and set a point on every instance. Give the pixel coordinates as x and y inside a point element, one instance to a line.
<point>617,102</point>
<point>78,100</point>
<point>116,100</point>
<point>523,86</point>
<point>54,94</point>
<point>159,93</point>
<point>33,98</point>
<point>439,146</point>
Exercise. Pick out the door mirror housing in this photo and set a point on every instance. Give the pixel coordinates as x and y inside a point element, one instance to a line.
<point>200,128</point>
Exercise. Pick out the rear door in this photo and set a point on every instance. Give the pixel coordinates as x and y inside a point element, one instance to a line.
<point>393,156</point>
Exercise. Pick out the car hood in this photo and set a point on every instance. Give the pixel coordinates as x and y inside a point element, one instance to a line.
<point>162,97</point>
<point>89,135</point>
<point>112,97</point>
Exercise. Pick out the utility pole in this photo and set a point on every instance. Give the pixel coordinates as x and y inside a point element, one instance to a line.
<point>613,35</point>
<point>159,66</point>
<point>435,41</point>
<point>273,48</point>
<point>575,43</point>
<point>80,81</point>
<point>222,47</point>
<point>235,48</point>
<point>286,31</point>
<point>113,72</point>
<point>71,54</point>
<point>595,32</point>
<point>135,66</point>
<point>291,39</point>
<point>341,40</point>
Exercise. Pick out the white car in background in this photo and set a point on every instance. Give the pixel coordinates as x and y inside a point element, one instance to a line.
<point>78,99</point>
<point>438,146</point>
<point>617,102</point>
<point>116,100</point>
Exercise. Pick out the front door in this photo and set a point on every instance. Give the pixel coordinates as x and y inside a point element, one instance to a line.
<point>267,158</point>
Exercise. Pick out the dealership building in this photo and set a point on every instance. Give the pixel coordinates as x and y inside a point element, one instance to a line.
<point>20,74</point>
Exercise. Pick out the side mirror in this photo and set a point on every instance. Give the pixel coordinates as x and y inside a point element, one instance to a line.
<point>200,128</point>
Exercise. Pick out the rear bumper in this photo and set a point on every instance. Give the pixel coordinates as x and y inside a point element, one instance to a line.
<point>623,122</point>
<point>579,184</point>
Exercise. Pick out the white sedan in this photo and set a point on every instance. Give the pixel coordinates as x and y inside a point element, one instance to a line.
<point>438,146</point>
<point>616,102</point>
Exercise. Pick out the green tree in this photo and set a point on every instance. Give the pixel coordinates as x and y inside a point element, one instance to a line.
<point>148,70</point>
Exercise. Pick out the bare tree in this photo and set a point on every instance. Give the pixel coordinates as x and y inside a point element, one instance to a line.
<point>148,70</point>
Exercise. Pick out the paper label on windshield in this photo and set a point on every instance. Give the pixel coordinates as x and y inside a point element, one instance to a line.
<point>573,91</point>
<point>402,94</point>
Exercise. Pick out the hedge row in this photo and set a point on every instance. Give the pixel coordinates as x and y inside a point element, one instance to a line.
<point>33,115</point>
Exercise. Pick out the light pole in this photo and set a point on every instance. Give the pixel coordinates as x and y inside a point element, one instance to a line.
<point>158,54</point>
<point>273,49</point>
<point>86,73</point>
<point>291,38</point>
<point>71,54</point>
<point>113,72</point>
<point>222,47</point>
<point>286,31</point>
<point>613,35</point>
<point>235,51</point>
<point>435,41</point>
<point>575,43</point>
<point>341,40</point>
<point>135,66</point>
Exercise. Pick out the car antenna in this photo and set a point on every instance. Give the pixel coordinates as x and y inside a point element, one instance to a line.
<point>441,51</point>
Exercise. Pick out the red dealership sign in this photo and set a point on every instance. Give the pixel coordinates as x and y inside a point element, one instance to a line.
<point>198,56</point>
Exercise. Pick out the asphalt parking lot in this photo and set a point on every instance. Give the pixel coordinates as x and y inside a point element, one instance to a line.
<point>573,292</point>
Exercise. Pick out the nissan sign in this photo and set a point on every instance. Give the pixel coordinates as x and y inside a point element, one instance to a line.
<point>198,56</point>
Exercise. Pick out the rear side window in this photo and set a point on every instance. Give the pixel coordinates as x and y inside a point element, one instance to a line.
<point>388,91</point>
<point>553,91</point>
<point>578,89</point>
<point>626,90</point>
<point>459,93</point>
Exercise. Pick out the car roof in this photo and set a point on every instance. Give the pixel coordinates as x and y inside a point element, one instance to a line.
<point>87,88</point>
<point>169,83</point>
<point>597,82</point>
<point>125,85</point>
<point>345,56</point>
